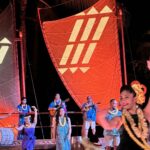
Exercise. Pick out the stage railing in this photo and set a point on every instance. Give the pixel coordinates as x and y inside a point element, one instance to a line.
<point>40,113</point>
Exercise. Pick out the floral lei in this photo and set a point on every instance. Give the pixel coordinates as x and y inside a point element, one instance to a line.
<point>113,112</point>
<point>24,107</point>
<point>141,131</point>
<point>140,91</point>
<point>64,121</point>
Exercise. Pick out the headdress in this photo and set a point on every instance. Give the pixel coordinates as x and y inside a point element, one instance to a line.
<point>140,91</point>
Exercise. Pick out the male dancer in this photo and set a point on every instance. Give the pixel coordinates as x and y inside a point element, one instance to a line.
<point>112,137</point>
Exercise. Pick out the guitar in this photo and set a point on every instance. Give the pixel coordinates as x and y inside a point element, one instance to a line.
<point>53,111</point>
<point>87,108</point>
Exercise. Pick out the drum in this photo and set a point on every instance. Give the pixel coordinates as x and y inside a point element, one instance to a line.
<point>6,136</point>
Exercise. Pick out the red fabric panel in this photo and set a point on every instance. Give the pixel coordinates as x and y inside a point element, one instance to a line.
<point>9,74</point>
<point>84,49</point>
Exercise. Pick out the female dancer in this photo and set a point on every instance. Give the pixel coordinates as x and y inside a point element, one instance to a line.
<point>23,110</point>
<point>135,126</point>
<point>135,132</point>
<point>63,130</point>
<point>28,128</point>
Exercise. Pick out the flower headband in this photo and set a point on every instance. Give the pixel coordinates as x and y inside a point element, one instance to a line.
<point>140,91</point>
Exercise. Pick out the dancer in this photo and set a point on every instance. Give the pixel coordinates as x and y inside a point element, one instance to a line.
<point>63,130</point>
<point>23,110</point>
<point>53,106</point>
<point>112,137</point>
<point>28,129</point>
<point>89,117</point>
<point>135,133</point>
<point>135,126</point>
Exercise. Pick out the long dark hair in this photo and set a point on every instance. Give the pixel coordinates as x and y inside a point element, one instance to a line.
<point>127,88</point>
<point>58,115</point>
<point>22,100</point>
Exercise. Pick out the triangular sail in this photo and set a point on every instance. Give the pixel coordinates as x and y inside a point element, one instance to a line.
<point>84,49</point>
<point>9,73</point>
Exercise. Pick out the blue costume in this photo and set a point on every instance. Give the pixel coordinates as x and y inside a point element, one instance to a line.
<point>53,104</point>
<point>56,103</point>
<point>89,115</point>
<point>62,141</point>
<point>89,118</point>
<point>24,112</point>
<point>112,137</point>
<point>28,141</point>
<point>110,116</point>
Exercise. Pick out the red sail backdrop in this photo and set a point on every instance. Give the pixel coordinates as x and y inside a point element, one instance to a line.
<point>9,74</point>
<point>84,49</point>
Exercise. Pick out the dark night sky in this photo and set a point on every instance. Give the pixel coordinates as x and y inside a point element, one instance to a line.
<point>41,75</point>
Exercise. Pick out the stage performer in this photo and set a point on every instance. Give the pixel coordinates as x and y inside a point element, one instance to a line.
<point>23,110</point>
<point>134,120</point>
<point>112,137</point>
<point>135,132</point>
<point>89,117</point>
<point>53,107</point>
<point>63,130</point>
<point>28,129</point>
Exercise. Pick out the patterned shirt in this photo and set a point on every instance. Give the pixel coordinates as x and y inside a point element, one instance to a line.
<point>56,103</point>
<point>110,116</point>
<point>89,115</point>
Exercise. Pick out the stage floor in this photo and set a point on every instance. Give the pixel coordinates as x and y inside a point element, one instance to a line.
<point>39,145</point>
<point>42,145</point>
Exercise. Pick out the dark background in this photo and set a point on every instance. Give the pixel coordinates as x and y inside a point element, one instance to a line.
<point>42,81</point>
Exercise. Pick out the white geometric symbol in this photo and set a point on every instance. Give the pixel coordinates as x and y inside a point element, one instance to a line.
<point>85,34</point>
<point>4,48</point>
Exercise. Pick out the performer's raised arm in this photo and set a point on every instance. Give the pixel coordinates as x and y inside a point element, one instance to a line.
<point>35,115</point>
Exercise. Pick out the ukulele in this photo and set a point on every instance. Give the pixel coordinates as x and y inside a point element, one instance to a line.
<point>53,111</point>
<point>87,108</point>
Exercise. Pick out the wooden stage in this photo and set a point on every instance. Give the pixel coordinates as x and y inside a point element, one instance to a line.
<point>39,145</point>
<point>42,145</point>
